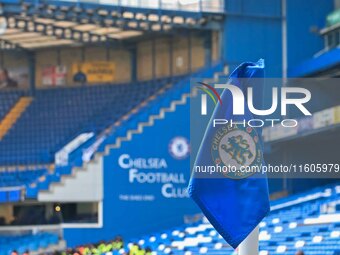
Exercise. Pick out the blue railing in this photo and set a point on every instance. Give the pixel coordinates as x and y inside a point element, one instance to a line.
<point>216,6</point>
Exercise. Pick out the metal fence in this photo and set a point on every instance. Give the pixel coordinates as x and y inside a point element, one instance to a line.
<point>176,5</point>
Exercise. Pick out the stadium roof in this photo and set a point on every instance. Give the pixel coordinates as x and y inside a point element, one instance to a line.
<point>325,65</point>
<point>32,24</point>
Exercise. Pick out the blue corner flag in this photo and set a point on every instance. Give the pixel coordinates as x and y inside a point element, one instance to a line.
<point>234,200</point>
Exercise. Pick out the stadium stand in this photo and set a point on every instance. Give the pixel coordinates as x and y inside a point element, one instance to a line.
<point>48,124</point>
<point>20,178</point>
<point>307,221</point>
<point>31,242</point>
<point>59,115</point>
<point>149,51</point>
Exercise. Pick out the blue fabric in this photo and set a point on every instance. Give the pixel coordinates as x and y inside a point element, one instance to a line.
<point>233,206</point>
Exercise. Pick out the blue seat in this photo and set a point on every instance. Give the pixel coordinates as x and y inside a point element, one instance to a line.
<point>30,242</point>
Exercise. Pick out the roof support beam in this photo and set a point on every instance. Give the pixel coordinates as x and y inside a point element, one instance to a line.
<point>8,45</point>
<point>59,32</point>
<point>126,18</point>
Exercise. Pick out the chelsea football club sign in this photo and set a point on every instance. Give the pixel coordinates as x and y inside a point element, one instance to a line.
<point>236,147</point>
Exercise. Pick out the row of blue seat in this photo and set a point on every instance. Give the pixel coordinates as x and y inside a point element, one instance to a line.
<point>20,178</point>
<point>282,232</point>
<point>31,242</point>
<point>56,116</point>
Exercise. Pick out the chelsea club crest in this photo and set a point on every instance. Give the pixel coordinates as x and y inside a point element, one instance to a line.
<point>236,148</point>
<point>179,148</point>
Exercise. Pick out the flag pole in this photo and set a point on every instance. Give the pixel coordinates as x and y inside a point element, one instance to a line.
<point>250,246</point>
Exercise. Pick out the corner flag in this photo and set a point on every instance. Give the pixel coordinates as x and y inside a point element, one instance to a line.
<point>234,201</point>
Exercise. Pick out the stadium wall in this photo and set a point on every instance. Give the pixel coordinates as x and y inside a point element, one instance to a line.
<point>70,56</point>
<point>182,60</point>
<point>254,28</point>
<point>17,64</point>
<point>6,212</point>
<point>83,186</point>
<point>301,31</point>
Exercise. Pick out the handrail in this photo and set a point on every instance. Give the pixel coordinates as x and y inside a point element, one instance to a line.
<point>216,6</point>
<point>11,188</point>
<point>34,228</point>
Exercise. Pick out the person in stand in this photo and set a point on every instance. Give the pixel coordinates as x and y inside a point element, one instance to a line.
<point>148,251</point>
<point>117,243</point>
<point>5,80</point>
<point>80,76</point>
<point>300,253</point>
<point>27,252</point>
